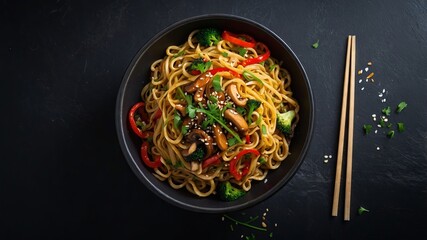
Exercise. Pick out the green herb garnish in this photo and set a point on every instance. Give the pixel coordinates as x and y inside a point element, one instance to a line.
<point>400,126</point>
<point>242,51</point>
<point>264,130</point>
<point>386,111</point>
<point>245,224</point>
<point>251,77</point>
<point>390,134</point>
<point>316,44</point>
<point>362,210</point>
<point>224,54</point>
<point>401,106</point>
<point>216,83</point>
<point>367,128</point>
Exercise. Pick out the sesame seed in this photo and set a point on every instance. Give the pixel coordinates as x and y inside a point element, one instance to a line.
<point>366,69</point>
<point>378,148</point>
<point>360,80</point>
<point>363,88</point>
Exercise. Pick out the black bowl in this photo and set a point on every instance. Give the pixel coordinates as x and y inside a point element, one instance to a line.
<point>138,74</point>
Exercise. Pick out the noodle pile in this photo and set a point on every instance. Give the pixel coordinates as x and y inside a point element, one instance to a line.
<point>194,102</point>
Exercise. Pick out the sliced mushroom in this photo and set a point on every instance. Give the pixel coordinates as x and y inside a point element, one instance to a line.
<point>236,119</point>
<point>181,109</point>
<point>190,150</point>
<point>200,118</point>
<point>201,81</point>
<point>221,140</point>
<point>199,135</point>
<point>235,95</point>
<point>198,96</point>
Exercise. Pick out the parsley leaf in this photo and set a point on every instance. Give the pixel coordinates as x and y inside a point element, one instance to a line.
<point>386,111</point>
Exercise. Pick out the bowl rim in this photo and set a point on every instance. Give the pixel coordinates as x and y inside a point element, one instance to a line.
<point>121,125</point>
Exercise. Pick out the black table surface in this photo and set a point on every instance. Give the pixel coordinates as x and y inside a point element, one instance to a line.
<point>63,174</point>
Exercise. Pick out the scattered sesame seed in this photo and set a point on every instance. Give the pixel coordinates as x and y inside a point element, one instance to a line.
<point>366,69</point>
<point>383,90</point>
<point>374,115</point>
<point>330,156</point>
<point>378,148</point>
<point>266,209</point>
<point>265,180</point>
<point>360,71</point>
<point>376,131</point>
<point>326,156</point>
<point>325,160</point>
<point>363,88</point>
<point>264,224</point>
<point>275,224</point>
<point>379,125</point>
<point>380,95</point>
<point>366,80</point>
<point>360,80</point>
<point>369,63</point>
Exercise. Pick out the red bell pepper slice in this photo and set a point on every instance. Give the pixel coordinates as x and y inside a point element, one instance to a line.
<point>135,108</point>
<point>146,159</point>
<point>260,58</point>
<point>215,159</point>
<point>223,69</point>
<point>248,139</point>
<point>138,108</point>
<point>233,163</point>
<point>239,39</point>
<point>157,114</point>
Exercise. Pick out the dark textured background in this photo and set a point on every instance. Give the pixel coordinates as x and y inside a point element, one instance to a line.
<point>63,175</point>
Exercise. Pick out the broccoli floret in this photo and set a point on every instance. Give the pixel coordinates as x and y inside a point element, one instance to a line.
<point>208,36</point>
<point>200,65</point>
<point>252,105</point>
<point>228,192</point>
<point>197,155</point>
<point>284,121</point>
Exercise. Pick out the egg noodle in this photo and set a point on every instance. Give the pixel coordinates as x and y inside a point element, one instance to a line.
<point>208,109</point>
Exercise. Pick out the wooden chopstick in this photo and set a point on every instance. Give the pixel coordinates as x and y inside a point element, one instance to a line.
<point>348,73</point>
<point>342,132</point>
<point>350,131</point>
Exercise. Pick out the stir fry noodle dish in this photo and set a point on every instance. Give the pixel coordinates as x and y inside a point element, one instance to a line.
<point>217,114</point>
